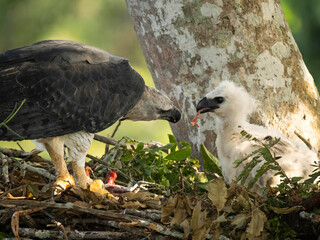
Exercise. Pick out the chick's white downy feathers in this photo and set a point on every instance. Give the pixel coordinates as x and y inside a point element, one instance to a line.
<point>237,105</point>
<point>231,106</point>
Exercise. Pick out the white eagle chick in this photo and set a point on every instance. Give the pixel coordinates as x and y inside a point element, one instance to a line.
<point>231,106</point>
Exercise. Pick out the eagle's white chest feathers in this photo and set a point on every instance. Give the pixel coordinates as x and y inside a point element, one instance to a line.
<point>77,144</point>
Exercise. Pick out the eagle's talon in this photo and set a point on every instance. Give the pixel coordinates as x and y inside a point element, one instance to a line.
<point>63,183</point>
<point>97,187</point>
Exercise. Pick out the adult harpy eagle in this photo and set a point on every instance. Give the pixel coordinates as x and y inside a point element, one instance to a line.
<point>67,92</point>
<point>231,106</point>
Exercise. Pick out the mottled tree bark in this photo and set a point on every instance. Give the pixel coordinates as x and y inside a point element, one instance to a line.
<point>190,46</point>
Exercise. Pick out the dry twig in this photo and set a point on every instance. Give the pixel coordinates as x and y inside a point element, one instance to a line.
<point>32,156</point>
<point>70,206</point>
<point>53,234</point>
<point>108,140</point>
<point>23,165</point>
<point>5,168</point>
<point>15,219</point>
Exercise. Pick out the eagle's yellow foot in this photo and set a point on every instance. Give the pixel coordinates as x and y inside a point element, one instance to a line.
<point>97,186</point>
<point>63,182</point>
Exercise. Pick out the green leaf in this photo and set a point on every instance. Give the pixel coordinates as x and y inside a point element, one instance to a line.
<point>201,177</point>
<point>13,113</point>
<point>203,186</point>
<point>9,118</point>
<point>265,167</point>
<point>210,162</point>
<point>33,189</point>
<point>139,147</point>
<point>238,162</point>
<point>173,141</point>
<point>3,235</point>
<point>247,170</point>
<point>163,148</point>
<point>312,177</point>
<point>181,154</point>
<point>296,179</point>
<point>245,134</point>
<point>147,171</point>
<point>266,154</point>
<point>126,158</point>
<point>111,156</point>
<point>184,144</point>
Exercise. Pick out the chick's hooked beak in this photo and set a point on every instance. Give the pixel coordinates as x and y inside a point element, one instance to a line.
<point>207,105</point>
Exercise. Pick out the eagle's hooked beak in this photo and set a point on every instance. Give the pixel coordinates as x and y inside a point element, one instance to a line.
<point>173,115</point>
<point>207,105</point>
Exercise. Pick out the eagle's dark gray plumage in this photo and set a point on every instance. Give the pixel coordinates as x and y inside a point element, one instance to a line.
<point>68,86</point>
<point>70,91</point>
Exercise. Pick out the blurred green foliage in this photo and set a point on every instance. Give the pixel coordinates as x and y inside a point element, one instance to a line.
<point>304,20</point>
<point>106,24</point>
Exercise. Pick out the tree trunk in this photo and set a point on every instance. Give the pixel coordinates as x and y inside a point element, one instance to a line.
<point>190,46</point>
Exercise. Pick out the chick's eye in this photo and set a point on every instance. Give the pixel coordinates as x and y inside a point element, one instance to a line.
<point>219,99</point>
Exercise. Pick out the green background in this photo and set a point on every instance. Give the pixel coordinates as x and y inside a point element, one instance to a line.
<point>106,24</point>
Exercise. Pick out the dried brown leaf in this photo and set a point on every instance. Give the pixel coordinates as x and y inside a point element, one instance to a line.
<point>240,220</point>
<point>256,224</point>
<point>82,204</point>
<point>241,203</point>
<point>102,206</point>
<point>286,210</point>
<point>133,205</point>
<point>78,191</point>
<point>180,212</point>
<point>221,219</point>
<point>46,191</point>
<point>236,189</point>
<point>188,205</point>
<point>217,192</point>
<point>168,209</point>
<point>198,223</point>
<point>195,220</point>
<point>198,217</point>
<point>141,196</point>
<point>315,218</point>
<point>215,230</point>
<point>200,234</point>
<point>150,199</point>
<point>186,228</point>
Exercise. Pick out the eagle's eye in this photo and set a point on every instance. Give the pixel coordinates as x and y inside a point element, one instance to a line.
<point>219,99</point>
